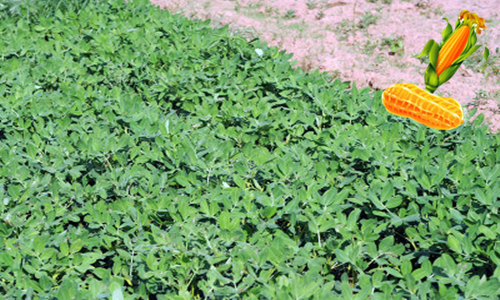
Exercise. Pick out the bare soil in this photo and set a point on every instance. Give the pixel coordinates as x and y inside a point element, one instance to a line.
<point>369,42</point>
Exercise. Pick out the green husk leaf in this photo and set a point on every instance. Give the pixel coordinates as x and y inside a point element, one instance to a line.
<point>426,49</point>
<point>447,73</point>
<point>457,23</point>
<point>431,79</point>
<point>433,54</point>
<point>447,31</point>
<point>462,57</point>
<point>471,41</point>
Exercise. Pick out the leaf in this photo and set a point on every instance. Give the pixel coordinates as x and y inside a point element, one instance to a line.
<point>471,40</point>
<point>433,54</point>
<point>76,246</point>
<point>387,192</point>
<point>39,28</point>
<point>431,79</point>
<point>224,220</point>
<point>490,287</point>
<point>346,290</point>
<point>268,212</point>
<point>393,272</point>
<point>426,265</point>
<point>423,179</point>
<point>462,57</point>
<point>427,48</point>
<point>488,232</point>
<point>386,244</point>
<point>342,256</point>
<point>239,181</point>
<point>6,259</point>
<point>394,202</point>
<point>486,53</point>
<point>447,74</point>
<point>64,249</point>
<point>117,294</point>
<point>454,244</point>
<point>447,31</point>
<point>406,266</point>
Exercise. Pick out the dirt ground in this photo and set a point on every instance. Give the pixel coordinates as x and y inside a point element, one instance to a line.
<point>369,42</point>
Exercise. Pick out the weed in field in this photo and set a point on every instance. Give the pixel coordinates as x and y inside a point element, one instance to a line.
<point>367,20</point>
<point>298,27</point>
<point>320,15</point>
<point>344,29</point>
<point>312,4</point>
<point>395,45</point>
<point>422,4</point>
<point>369,46</point>
<point>255,5</point>
<point>347,28</point>
<point>383,1</point>
<point>290,14</point>
<point>271,11</point>
<point>425,8</point>
<point>482,95</point>
<point>307,63</point>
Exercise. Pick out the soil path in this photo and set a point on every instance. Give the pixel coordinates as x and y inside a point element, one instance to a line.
<point>369,42</point>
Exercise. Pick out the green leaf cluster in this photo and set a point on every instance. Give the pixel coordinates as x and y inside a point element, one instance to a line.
<point>32,10</point>
<point>147,156</point>
<point>432,48</point>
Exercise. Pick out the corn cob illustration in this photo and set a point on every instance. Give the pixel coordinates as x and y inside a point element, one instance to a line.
<point>457,45</point>
<point>408,100</point>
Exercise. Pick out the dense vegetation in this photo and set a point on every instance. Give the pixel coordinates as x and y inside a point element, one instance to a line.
<point>147,156</point>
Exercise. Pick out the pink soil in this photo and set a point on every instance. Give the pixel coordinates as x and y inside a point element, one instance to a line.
<point>322,34</point>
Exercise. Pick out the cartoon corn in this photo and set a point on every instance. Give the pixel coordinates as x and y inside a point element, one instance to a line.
<point>445,59</point>
<point>408,100</point>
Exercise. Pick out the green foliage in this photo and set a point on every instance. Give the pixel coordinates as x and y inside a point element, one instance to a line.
<point>146,156</point>
<point>383,1</point>
<point>290,14</point>
<point>395,44</point>
<point>33,10</point>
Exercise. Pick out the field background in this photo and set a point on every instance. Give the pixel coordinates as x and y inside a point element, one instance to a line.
<point>369,42</point>
<point>144,155</point>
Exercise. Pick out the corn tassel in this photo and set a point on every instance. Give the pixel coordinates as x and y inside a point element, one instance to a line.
<point>452,49</point>
<point>408,100</point>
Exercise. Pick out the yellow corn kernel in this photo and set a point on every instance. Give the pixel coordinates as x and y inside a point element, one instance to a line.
<point>452,49</point>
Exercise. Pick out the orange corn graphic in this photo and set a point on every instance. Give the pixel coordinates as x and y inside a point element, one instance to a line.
<point>447,57</point>
<point>408,100</point>
<point>452,49</point>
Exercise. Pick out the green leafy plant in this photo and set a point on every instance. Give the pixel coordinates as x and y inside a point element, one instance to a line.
<point>383,1</point>
<point>320,15</point>
<point>312,4</point>
<point>290,14</point>
<point>144,155</point>
<point>394,44</point>
<point>32,10</point>
<point>367,20</point>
